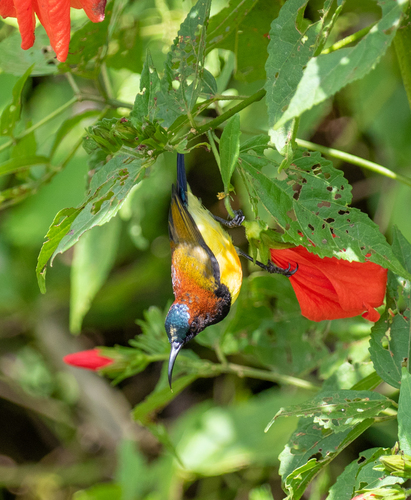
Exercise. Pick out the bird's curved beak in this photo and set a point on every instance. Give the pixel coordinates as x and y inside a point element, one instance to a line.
<point>175,349</point>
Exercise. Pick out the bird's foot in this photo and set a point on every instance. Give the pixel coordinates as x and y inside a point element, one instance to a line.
<point>236,221</point>
<point>273,269</point>
<point>269,267</point>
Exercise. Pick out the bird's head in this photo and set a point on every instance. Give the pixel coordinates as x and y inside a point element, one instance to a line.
<point>178,331</point>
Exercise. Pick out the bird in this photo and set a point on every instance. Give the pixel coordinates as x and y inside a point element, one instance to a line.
<point>205,266</point>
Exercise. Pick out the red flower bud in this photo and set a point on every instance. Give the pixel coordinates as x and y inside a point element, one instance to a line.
<point>90,360</point>
<point>54,15</point>
<point>331,288</point>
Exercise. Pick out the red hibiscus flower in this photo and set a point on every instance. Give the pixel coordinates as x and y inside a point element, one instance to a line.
<point>90,360</point>
<point>54,15</point>
<point>330,288</point>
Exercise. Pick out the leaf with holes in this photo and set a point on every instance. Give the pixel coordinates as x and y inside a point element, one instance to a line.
<point>183,79</point>
<point>310,201</point>
<point>309,450</point>
<point>109,188</point>
<point>339,410</point>
<point>361,473</point>
<point>390,336</point>
<point>291,46</point>
<point>145,104</point>
<point>328,73</point>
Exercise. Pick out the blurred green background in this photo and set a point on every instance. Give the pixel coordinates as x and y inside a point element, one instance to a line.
<point>68,432</point>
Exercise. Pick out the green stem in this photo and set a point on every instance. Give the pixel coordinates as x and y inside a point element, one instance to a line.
<point>214,148</point>
<point>246,371</point>
<point>211,125</point>
<point>49,117</point>
<point>348,40</point>
<point>73,83</point>
<point>355,160</point>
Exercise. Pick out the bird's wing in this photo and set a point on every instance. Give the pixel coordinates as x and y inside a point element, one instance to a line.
<point>190,254</point>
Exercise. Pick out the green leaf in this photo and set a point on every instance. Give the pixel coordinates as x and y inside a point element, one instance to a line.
<point>58,229</point>
<point>360,474</point>
<point>229,149</point>
<point>183,82</point>
<point>131,473</point>
<point>109,188</point>
<point>340,410</point>
<point>309,440</point>
<point>227,21</point>
<point>68,125</point>
<point>105,491</point>
<point>402,44</point>
<point>327,74</point>
<point>11,113</point>
<point>90,268</point>
<point>152,340</point>
<point>311,448</point>
<point>404,412</point>
<point>145,104</point>
<point>390,336</point>
<point>310,201</point>
<point>245,33</point>
<point>289,51</point>
<point>16,61</point>
<point>17,164</point>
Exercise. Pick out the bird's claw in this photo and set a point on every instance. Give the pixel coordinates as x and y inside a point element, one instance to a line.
<point>273,269</point>
<point>236,221</point>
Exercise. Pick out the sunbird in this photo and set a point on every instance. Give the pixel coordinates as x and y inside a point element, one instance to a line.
<point>205,268</point>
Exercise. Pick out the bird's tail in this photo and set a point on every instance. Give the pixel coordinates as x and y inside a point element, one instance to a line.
<point>181,179</point>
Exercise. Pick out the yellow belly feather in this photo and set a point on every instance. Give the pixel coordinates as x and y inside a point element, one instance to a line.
<point>220,244</point>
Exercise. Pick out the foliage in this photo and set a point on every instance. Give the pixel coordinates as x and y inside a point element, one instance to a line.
<point>92,142</point>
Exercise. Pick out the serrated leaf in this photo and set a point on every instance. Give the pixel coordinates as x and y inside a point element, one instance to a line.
<point>340,410</point>
<point>360,474</point>
<point>404,412</point>
<point>15,61</point>
<point>11,113</point>
<point>229,149</point>
<point>328,73</point>
<point>298,467</point>
<point>109,188</point>
<point>311,448</point>
<point>391,335</point>
<point>310,201</point>
<point>153,339</point>
<point>291,46</point>
<point>182,82</point>
<point>90,268</point>
<point>257,143</point>
<point>58,229</point>
<point>145,104</point>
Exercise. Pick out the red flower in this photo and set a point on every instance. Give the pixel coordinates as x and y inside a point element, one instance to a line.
<point>54,15</point>
<point>330,288</point>
<point>90,360</point>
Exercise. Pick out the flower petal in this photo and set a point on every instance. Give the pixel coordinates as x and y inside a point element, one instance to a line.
<point>94,9</point>
<point>7,8</point>
<point>54,15</point>
<point>26,21</point>
<point>330,288</point>
<point>90,359</point>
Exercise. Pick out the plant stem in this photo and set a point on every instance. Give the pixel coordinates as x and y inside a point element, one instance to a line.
<point>214,148</point>
<point>211,125</point>
<point>246,371</point>
<point>402,44</point>
<point>355,160</point>
<point>349,39</point>
<point>49,117</point>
